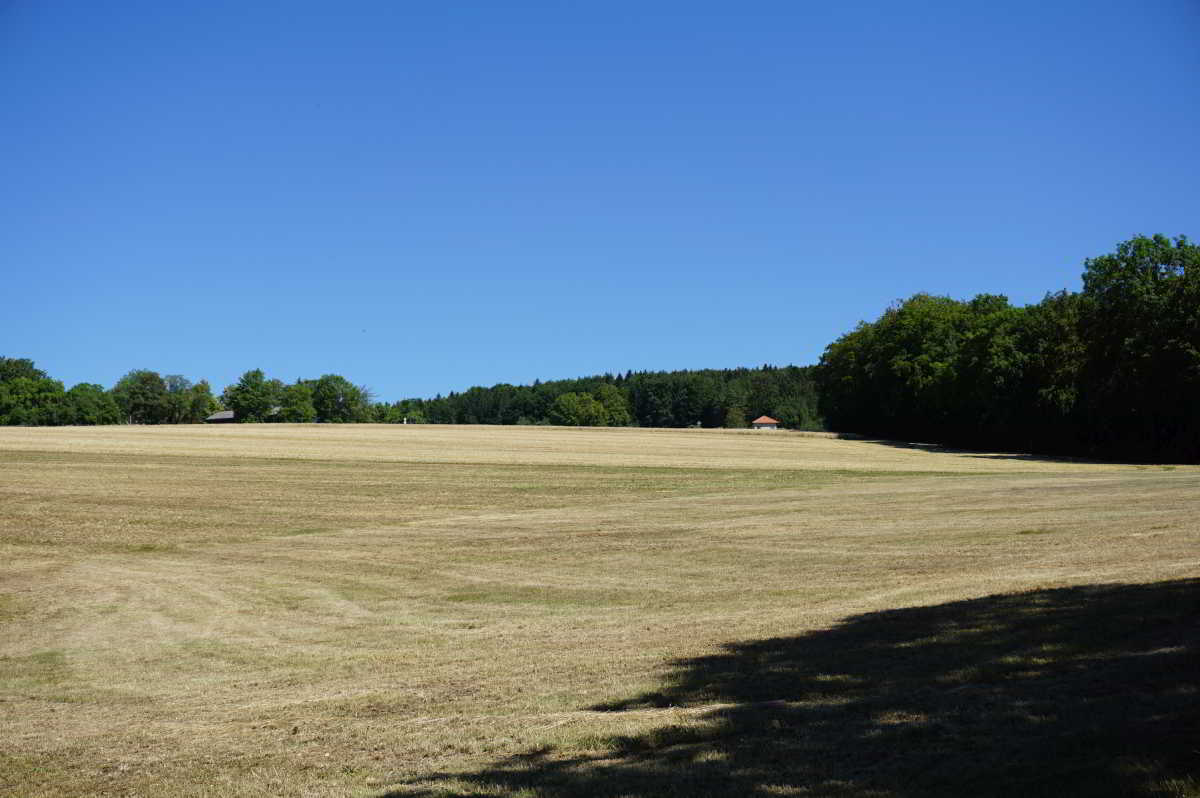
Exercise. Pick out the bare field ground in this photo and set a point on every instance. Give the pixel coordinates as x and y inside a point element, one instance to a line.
<point>380,610</point>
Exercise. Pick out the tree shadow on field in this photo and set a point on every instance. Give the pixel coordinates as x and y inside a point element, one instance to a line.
<point>1077,691</point>
<point>991,454</point>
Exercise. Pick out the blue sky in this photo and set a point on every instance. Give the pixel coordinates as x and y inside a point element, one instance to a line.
<point>428,196</point>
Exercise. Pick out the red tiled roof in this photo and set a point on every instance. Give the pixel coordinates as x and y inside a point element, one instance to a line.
<point>764,420</point>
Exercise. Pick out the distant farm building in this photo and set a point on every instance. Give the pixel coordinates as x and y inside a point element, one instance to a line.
<point>229,416</point>
<point>764,422</point>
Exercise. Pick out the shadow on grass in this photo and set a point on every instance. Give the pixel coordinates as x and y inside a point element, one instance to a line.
<point>985,454</point>
<point>1078,691</point>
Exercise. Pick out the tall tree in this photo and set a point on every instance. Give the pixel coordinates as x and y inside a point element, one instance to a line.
<point>1051,338</point>
<point>897,376</point>
<point>33,402</point>
<point>578,410</point>
<point>178,399</point>
<point>12,367</point>
<point>89,404</point>
<point>201,403</point>
<point>616,406</point>
<point>337,400</point>
<point>142,397</point>
<point>1141,378</point>
<point>252,398</point>
<point>296,404</point>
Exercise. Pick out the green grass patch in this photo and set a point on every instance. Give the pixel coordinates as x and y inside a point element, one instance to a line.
<point>541,596</point>
<point>22,774</point>
<point>10,607</point>
<point>314,530</point>
<point>34,670</point>
<point>145,548</point>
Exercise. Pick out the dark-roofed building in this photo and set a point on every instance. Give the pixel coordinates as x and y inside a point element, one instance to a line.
<point>220,417</point>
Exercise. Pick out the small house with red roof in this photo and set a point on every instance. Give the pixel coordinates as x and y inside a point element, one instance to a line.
<point>764,422</point>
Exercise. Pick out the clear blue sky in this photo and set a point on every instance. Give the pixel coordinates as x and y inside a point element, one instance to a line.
<point>428,196</point>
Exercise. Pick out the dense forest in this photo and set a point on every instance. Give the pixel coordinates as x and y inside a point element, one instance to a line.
<point>1110,371</point>
<point>711,398</point>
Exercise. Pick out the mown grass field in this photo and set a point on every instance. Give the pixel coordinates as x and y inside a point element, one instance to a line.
<point>393,611</point>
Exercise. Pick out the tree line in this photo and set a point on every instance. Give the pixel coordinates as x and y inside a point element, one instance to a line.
<point>1112,371</point>
<point>708,398</point>
<point>1109,371</point>
<point>30,397</point>
<point>696,398</point>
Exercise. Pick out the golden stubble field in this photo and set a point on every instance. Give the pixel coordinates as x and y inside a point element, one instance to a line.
<point>423,610</point>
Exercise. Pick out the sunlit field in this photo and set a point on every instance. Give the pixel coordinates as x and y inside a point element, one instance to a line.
<point>366,610</point>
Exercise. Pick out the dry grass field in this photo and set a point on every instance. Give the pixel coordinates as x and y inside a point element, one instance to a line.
<point>451,611</point>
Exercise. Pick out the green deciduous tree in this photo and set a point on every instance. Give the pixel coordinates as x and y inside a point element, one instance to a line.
<point>178,398</point>
<point>296,404</point>
<point>253,398</point>
<point>201,403</point>
<point>142,397</point>
<point>1140,381</point>
<point>337,400</point>
<point>898,375</point>
<point>13,367</point>
<point>1113,371</point>
<point>89,404</point>
<point>615,404</point>
<point>578,410</point>
<point>33,402</point>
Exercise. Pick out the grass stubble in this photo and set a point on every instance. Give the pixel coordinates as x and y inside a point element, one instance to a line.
<point>366,610</point>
